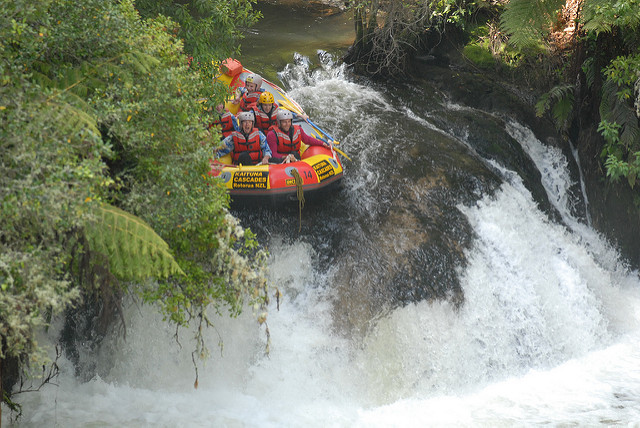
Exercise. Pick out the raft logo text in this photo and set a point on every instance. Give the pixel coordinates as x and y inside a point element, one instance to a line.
<point>250,179</point>
<point>324,170</point>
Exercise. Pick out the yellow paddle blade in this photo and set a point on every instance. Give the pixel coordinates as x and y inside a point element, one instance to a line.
<point>342,153</point>
<point>289,106</point>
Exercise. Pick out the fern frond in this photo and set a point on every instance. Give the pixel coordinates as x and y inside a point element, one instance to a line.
<point>42,67</point>
<point>142,62</point>
<point>134,250</point>
<point>74,118</point>
<point>71,79</point>
<point>42,79</point>
<point>589,70</point>
<point>528,21</point>
<point>630,132</point>
<point>79,80</point>
<point>562,109</point>
<point>77,102</point>
<point>601,16</point>
<point>631,39</point>
<point>561,91</point>
<point>614,110</point>
<point>560,99</point>
<point>608,99</point>
<point>543,104</point>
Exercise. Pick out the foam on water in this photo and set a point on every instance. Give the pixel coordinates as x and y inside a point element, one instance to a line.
<point>548,333</point>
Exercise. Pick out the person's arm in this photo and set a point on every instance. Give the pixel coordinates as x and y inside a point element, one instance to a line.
<point>301,115</point>
<point>266,151</point>
<point>264,146</point>
<point>240,92</point>
<point>236,125</point>
<point>228,147</point>
<point>272,140</point>
<point>311,141</point>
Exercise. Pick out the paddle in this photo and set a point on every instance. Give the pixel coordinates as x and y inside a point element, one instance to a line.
<point>289,106</point>
<point>342,153</point>
<point>329,137</point>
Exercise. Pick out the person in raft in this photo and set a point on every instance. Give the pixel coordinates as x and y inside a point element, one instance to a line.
<point>250,93</point>
<point>265,112</point>
<point>225,120</point>
<point>284,139</point>
<point>248,146</point>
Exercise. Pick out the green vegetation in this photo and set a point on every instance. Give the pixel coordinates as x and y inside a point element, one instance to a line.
<point>390,33</point>
<point>209,28</point>
<point>606,50</point>
<point>479,55</point>
<point>568,46</point>
<point>104,160</point>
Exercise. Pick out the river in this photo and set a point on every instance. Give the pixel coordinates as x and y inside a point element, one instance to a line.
<point>453,281</point>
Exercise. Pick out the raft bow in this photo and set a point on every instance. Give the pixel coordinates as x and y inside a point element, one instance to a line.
<point>319,168</point>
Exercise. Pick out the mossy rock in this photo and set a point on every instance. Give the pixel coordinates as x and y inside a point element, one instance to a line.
<point>479,56</point>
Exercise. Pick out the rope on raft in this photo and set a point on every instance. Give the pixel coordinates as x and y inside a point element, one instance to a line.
<point>300,194</point>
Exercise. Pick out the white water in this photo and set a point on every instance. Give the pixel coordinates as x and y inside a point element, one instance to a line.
<point>549,334</point>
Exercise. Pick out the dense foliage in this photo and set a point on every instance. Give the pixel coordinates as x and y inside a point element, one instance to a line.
<point>104,185</point>
<point>209,28</point>
<point>607,34</point>
<point>586,48</point>
<point>389,33</point>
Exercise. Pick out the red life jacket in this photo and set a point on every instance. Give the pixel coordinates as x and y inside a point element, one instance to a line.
<point>249,98</point>
<point>265,120</point>
<point>225,122</point>
<point>249,144</point>
<point>287,144</point>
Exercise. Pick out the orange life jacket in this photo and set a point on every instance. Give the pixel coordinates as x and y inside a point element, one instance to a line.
<point>265,120</point>
<point>287,144</point>
<point>250,143</point>
<point>249,98</point>
<point>225,122</point>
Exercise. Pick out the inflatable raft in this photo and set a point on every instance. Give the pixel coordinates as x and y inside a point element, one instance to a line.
<point>318,170</point>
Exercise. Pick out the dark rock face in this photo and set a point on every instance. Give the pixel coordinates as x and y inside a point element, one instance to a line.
<point>612,207</point>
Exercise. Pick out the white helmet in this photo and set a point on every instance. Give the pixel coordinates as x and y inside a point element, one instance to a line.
<point>254,78</point>
<point>284,114</point>
<point>246,115</point>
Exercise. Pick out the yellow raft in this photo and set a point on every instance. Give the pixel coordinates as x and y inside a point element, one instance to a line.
<point>318,170</point>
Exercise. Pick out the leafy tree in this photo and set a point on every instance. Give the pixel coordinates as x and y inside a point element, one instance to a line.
<point>210,28</point>
<point>104,185</point>
<point>618,22</point>
<point>388,32</point>
<point>610,39</point>
<point>529,22</point>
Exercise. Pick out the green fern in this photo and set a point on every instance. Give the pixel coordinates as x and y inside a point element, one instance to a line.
<point>81,80</point>
<point>528,21</point>
<point>141,61</point>
<point>560,99</point>
<point>134,250</point>
<point>72,118</point>
<point>589,70</point>
<point>615,110</point>
<point>603,15</point>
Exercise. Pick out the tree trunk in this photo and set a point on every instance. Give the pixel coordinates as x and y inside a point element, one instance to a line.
<point>373,18</point>
<point>357,19</point>
<point>1,392</point>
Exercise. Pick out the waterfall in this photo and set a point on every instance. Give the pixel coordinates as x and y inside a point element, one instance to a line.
<point>548,331</point>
